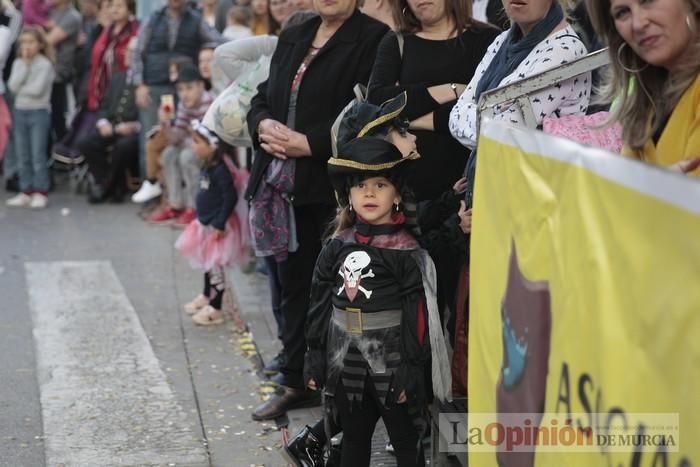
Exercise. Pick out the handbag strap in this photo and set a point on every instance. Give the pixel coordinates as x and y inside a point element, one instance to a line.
<point>399,39</point>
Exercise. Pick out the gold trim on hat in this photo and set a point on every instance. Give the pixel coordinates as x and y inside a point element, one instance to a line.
<point>338,161</point>
<point>383,119</point>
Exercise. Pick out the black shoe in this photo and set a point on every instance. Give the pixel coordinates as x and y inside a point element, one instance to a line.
<point>285,399</point>
<point>275,365</point>
<point>12,184</point>
<point>96,194</point>
<point>304,450</point>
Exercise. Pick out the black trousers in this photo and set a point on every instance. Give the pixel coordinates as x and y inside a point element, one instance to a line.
<point>59,106</point>
<point>275,293</point>
<point>358,423</point>
<point>295,281</point>
<point>109,158</point>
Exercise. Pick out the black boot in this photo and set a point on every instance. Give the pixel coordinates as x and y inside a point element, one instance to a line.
<point>304,450</point>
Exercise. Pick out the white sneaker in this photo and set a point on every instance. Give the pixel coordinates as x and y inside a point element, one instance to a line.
<point>147,192</point>
<point>39,201</point>
<point>20,200</point>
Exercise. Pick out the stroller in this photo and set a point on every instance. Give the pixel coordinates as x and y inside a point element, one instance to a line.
<point>65,155</point>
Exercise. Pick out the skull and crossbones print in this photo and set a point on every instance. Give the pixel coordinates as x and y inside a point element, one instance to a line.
<point>351,271</point>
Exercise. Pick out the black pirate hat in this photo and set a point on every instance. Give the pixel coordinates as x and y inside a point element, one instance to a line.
<point>360,118</point>
<point>362,151</point>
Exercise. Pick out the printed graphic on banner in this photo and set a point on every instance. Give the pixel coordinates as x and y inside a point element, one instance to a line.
<point>584,309</point>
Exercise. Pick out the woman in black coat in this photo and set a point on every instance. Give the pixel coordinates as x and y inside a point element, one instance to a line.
<point>312,74</point>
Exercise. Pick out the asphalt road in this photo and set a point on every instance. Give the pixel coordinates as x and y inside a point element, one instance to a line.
<point>98,365</point>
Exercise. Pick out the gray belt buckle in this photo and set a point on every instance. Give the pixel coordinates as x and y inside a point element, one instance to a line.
<point>353,321</point>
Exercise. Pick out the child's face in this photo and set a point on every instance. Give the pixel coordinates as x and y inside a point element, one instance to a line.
<point>405,143</point>
<point>374,199</point>
<point>205,58</point>
<point>28,46</point>
<point>190,94</point>
<point>201,147</point>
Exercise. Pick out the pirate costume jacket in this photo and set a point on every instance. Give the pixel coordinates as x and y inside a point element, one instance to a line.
<point>368,319</point>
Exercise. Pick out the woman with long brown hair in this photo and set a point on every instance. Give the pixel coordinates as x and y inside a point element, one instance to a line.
<point>654,49</point>
<point>261,22</point>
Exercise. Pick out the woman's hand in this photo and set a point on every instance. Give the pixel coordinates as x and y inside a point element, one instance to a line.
<point>272,136</point>
<point>460,186</point>
<point>143,96</point>
<point>686,166</point>
<point>127,128</point>
<point>402,398</point>
<point>465,217</point>
<point>311,385</point>
<point>280,141</point>
<point>298,145</point>
<point>106,130</point>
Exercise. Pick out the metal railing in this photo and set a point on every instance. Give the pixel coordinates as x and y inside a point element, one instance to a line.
<point>519,92</point>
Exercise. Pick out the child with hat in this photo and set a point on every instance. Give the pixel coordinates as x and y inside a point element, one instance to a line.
<point>373,325</point>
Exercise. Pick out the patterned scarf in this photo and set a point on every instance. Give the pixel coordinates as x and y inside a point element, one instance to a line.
<point>516,47</point>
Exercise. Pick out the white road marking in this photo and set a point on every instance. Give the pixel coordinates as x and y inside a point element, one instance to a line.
<point>105,401</point>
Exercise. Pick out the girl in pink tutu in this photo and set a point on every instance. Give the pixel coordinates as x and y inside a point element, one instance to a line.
<point>217,238</point>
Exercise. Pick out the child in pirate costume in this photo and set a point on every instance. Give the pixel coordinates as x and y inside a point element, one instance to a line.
<point>373,326</point>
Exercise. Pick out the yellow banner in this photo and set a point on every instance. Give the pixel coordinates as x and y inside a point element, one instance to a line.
<point>584,308</point>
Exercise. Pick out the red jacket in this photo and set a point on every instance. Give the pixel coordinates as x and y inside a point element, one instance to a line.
<point>108,56</point>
